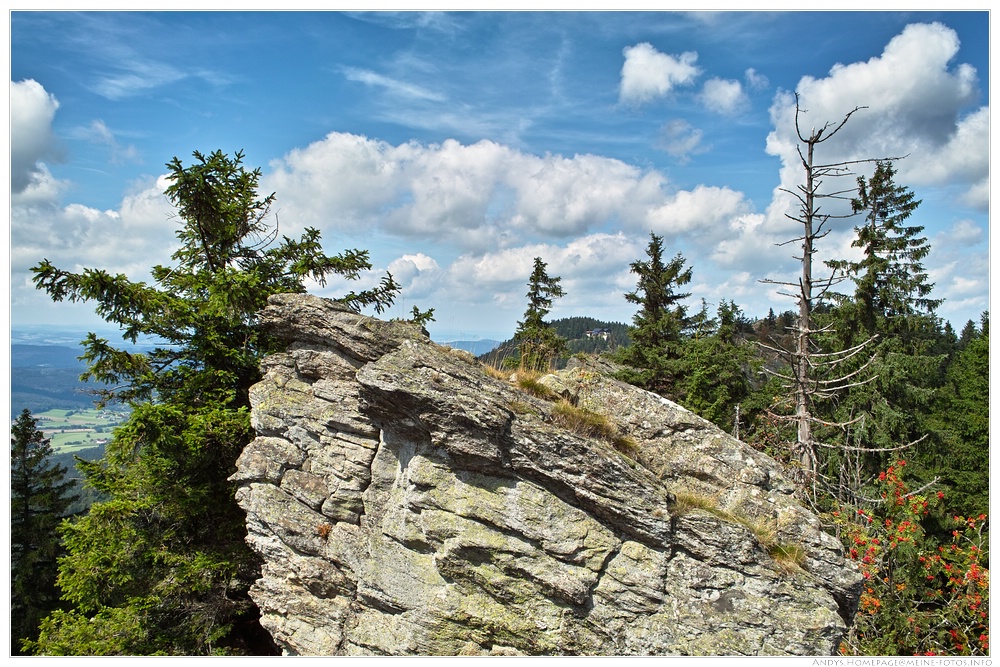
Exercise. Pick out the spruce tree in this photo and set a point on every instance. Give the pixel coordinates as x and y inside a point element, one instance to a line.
<point>891,283</point>
<point>538,343</point>
<point>161,567</point>
<point>891,303</point>
<point>39,497</point>
<point>660,323</point>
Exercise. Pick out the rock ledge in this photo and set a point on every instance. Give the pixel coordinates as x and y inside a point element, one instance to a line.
<point>405,502</point>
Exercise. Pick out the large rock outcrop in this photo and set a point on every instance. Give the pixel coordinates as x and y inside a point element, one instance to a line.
<point>404,501</point>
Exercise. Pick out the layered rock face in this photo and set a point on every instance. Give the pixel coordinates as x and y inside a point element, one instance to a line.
<point>406,502</point>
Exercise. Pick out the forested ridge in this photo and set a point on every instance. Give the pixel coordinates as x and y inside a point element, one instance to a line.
<point>876,406</point>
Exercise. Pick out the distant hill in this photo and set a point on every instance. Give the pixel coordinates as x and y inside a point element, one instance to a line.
<point>583,335</point>
<point>46,377</point>
<point>45,367</point>
<point>49,356</point>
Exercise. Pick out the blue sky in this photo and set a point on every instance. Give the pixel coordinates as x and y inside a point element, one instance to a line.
<point>456,147</point>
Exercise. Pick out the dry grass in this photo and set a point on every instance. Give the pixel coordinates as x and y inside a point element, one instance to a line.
<point>528,381</point>
<point>592,424</point>
<point>581,421</point>
<point>497,373</point>
<point>685,501</point>
<point>525,380</point>
<point>464,355</point>
<point>786,555</point>
<point>521,408</point>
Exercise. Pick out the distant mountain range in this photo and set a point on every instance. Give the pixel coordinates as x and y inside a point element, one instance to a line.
<point>49,356</point>
<point>47,377</point>
<point>476,347</point>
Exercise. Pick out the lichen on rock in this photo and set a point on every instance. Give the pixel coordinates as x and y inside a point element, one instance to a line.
<point>404,502</point>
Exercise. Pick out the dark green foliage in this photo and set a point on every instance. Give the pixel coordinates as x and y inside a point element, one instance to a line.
<point>203,309</point>
<point>583,335</point>
<point>538,343</point>
<point>161,566</point>
<point>661,321</point>
<point>420,318</point>
<point>969,334</point>
<point>589,335</point>
<point>892,388</point>
<point>719,369</point>
<point>962,415</point>
<point>890,281</point>
<point>40,496</point>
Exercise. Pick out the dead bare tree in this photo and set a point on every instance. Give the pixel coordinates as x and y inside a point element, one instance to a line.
<point>813,374</point>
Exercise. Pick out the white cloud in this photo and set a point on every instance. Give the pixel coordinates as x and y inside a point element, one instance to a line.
<point>99,133</point>
<point>648,74</point>
<point>704,212</point>
<point>32,140</point>
<point>417,274</point>
<point>592,270</point>
<point>481,196</point>
<point>965,233</point>
<point>565,196</point>
<point>964,286</point>
<point>128,240</point>
<point>497,209</point>
<point>914,98</point>
<point>724,96</point>
<point>755,80</point>
<point>407,20</point>
<point>963,158</point>
<point>978,196</point>
<point>136,76</point>
<point>681,140</point>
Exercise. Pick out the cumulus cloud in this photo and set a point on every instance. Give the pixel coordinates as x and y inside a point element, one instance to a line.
<point>959,267</point>
<point>418,275</point>
<point>963,159</point>
<point>140,233</point>
<point>965,233</point>
<point>592,270</point>
<point>724,96</point>
<point>964,286</point>
<point>32,110</point>
<point>703,212</point>
<point>916,103</point>
<point>915,100</point>
<point>648,74</point>
<point>482,212</point>
<point>481,196</point>
<point>128,240</point>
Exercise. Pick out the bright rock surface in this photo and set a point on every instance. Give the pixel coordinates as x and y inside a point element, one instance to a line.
<point>404,502</point>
